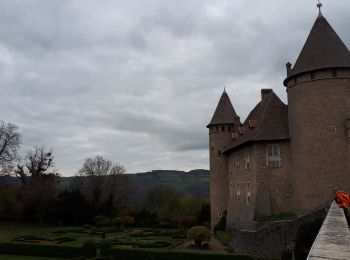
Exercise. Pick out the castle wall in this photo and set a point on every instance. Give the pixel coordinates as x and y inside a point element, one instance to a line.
<point>269,187</point>
<point>274,188</point>
<point>241,212</point>
<point>318,109</point>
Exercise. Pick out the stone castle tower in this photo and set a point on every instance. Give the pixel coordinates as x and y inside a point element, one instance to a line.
<point>286,158</point>
<point>318,88</point>
<point>223,123</point>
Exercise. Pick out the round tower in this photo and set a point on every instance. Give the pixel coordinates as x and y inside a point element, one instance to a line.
<point>318,88</point>
<point>224,122</point>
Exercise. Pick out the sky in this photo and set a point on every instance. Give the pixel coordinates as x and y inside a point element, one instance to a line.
<point>137,81</point>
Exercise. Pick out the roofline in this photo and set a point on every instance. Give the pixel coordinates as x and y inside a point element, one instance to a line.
<point>239,146</point>
<point>311,70</point>
<point>209,125</point>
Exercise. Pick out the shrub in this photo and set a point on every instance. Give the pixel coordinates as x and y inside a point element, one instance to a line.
<point>106,244</point>
<point>199,234</point>
<point>89,248</point>
<point>115,222</point>
<point>99,221</point>
<point>127,221</point>
<point>224,237</point>
<point>222,223</point>
<point>187,222</point>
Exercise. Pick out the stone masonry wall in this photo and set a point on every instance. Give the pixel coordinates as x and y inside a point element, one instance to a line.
<point>272,238</point>
<point>318,109</point>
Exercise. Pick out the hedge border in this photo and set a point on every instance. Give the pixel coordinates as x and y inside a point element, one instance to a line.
<point>58,251</point>
<point>152,254</point>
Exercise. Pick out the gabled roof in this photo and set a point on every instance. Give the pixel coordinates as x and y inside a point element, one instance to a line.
<point>271,117</point>
<point>224,113</point>
<point>323,49</point>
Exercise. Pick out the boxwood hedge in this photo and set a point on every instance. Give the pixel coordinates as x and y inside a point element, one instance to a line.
<point>58,251</point>
<point>141,254</point>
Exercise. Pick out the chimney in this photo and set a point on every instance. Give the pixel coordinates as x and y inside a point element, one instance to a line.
<point>289,68</point>
<point>264,93</point>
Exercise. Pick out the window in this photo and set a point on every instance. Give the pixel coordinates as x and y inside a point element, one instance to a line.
<point>273,158</point>
<point>247,159</point>
<point>313,74</point>
<point>334,73</point>
<point>229,128</point>
<point>238,193</point>
<point>217,129</point>
<point>223,129</point>
<point>296,80</point>
<point>248,192</point>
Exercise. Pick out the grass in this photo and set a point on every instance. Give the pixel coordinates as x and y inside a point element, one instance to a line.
<point>276,217</point>
<point>224,237</point>
<point>17,257</point>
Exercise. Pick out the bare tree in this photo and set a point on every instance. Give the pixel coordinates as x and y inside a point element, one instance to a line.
<point>37,163</point>
<point>10,139</point>
<point>104,182</point>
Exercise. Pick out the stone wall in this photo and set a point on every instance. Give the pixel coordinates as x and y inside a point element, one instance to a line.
<point>270,239</point>
<point>220,136</point>
<point>318,109</point>
<point>270,189</point>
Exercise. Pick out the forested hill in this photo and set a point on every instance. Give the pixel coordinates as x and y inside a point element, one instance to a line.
<point>195,182</point>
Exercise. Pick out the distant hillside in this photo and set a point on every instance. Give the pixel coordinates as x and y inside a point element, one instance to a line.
<point>195,182</point>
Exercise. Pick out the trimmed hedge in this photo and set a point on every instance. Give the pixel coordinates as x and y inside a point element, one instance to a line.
<point>138,254</point>
<point>113,253</point>
<point>40,250</point>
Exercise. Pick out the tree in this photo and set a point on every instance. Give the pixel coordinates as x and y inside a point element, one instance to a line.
<point>164,201</point>
<point>39,179</point>
<point>104,181</point>
<point>10,139</point>
<point>37,164</point>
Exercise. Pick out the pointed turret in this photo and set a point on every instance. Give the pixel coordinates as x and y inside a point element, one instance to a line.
<point>224,113</point>
<point>323,49</point>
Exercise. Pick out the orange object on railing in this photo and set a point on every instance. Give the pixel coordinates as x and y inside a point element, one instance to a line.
<point>343,199</point>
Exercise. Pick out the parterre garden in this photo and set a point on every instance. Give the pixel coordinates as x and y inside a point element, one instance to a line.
<point>108,242</point>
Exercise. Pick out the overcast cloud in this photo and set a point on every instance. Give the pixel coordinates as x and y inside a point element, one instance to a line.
<point>137,81</point>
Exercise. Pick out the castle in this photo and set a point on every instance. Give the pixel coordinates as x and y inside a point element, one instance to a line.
<point>285,158</point>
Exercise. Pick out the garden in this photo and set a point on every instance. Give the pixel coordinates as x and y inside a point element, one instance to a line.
<point>103,243</point>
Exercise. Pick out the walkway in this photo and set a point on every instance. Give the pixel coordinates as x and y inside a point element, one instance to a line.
<point>333,240</point>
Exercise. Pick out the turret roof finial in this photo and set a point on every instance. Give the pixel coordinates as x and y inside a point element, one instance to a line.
<point>319,5</point>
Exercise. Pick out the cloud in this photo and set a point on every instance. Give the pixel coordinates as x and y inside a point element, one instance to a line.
<point>136,81</point>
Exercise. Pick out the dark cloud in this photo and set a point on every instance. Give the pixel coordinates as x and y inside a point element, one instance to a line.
<point>138,81</point>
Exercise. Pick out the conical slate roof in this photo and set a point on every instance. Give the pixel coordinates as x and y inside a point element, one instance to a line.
<point>323,49</point>
<point>224,113</point>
